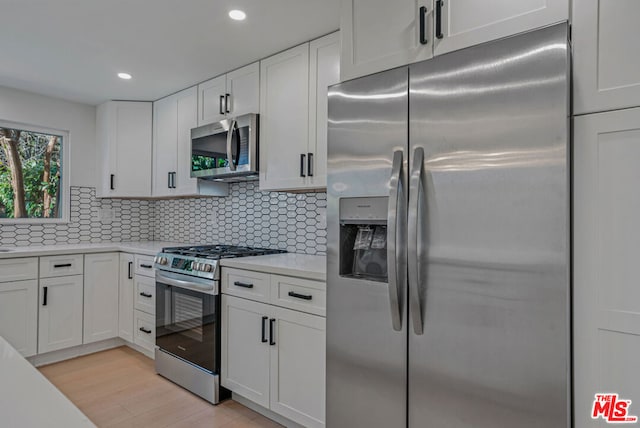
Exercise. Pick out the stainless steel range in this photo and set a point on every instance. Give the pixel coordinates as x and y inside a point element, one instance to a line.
<point>188,315</point>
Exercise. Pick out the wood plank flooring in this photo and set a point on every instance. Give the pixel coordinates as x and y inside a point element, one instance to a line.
<point>119,388</point>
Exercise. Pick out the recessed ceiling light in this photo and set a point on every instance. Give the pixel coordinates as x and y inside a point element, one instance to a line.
<point>238,15</point>
<point>125,76</point>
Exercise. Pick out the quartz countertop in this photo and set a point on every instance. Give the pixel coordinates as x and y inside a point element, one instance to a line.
<point>28,399</point>
<point>290,264</point>
<point>150,248</point>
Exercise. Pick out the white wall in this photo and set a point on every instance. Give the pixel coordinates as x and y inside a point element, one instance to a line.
<point>79,120</point>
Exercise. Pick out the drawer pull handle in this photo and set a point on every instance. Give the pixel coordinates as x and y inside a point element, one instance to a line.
<point>300,296</point>
<point>143,294</point>
<point>144,330</point>
<point>146,266</point>
<point>243,284</point>
<point>62,265</point>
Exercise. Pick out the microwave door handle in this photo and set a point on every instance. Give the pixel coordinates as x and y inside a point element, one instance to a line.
<point>232,126</point>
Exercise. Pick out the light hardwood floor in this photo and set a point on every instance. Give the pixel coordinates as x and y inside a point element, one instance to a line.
<point>119,388</point>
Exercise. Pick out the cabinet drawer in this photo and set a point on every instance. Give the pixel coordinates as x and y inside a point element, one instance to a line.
<point>299,294</point>
<point>18,269</point>
<point>144,332</point>
<point>145,294</point>
<point>54,266</point>
<point>144,265</point>
<point>245,283</point>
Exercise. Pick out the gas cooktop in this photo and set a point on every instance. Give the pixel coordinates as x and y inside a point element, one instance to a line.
<point>202,260</point>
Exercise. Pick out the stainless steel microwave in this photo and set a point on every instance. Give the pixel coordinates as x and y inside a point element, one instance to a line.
<point>226,150</point>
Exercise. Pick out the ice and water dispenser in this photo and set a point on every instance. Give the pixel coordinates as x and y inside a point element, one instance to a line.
<point>363,238</point>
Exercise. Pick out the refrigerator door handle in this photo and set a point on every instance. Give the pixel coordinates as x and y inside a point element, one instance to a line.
<point>415,186</point>
<point>396,257</point>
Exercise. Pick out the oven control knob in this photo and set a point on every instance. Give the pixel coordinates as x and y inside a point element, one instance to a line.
<point>163,260</point>
<point>208,268</point>
<point>194,265</point>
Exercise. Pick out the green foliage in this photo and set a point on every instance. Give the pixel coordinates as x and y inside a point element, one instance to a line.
<point>32,147</point>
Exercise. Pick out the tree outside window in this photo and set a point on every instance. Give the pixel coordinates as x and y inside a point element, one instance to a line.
<point>30,174</point>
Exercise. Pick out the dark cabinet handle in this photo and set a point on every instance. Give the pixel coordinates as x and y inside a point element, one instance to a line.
<point>272,327</point>
<point>439,4</point>
<point>226,103</point>
<point>310,164</point>
<point>44,297</point>
<point>143,294</point>
<point>300,296</point>
<point>243,284</point>
<point>221,100</point>
<point>129,274</point>
<point>423,25</point>
<point>146,266</point>
<point>111,185</point>
<point>302,156</point>
<point>168,180</point>
<point>62,265</point>
<point>264,330</point>
<point>144,330</point>
<point>173,180</point>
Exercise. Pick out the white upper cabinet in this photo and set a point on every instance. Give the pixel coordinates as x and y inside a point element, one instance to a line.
<point>233,94</point>
<point>381,34</point>
<point>174,116</point>
<point>124,131</point>
<point>293,114</point>
<point>466,23</point>
<point>324,71</point>
<point>606,61</point>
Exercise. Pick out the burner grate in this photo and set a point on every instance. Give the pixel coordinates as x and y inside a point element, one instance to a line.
<point>216,252</point>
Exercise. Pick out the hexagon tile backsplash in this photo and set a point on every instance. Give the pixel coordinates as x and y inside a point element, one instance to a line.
<point>295,222</point>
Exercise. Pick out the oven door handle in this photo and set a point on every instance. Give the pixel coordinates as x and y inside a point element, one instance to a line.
<point>195,285</point>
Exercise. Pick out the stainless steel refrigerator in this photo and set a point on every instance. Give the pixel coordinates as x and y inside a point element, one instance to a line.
<point>448,271</point>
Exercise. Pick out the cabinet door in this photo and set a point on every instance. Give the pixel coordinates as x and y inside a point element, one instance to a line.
<point>133,149</point>
<point>165,134</point>
<point>324,71</point>
<point>187,111</point>
<point>380,34</point>
<point>298,367</point>
<point>19,315</point>
<point>211,100</point>
<point>469,22</point>
<point>245,348</point>
<point>284,119</point>
<point>100,296</point>
<point>125,298</point>
<point>606,63</point>
<point>606,296</point>
<point>60,313</point>
<point>243,86</point>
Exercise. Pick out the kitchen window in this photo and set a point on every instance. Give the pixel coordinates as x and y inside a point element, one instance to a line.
<point>33,174</point>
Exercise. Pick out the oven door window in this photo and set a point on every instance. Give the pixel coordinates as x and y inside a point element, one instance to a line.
<point>186,325</point>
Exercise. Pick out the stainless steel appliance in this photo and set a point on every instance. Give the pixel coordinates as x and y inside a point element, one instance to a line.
<point>448,280</point>
<point>188,315</point>
<point>226,150</point>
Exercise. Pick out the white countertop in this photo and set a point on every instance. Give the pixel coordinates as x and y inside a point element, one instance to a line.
<point>28,399</point>
<point>150,248</point>
<point>300,265</point>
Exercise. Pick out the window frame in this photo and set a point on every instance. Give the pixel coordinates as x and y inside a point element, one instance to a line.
<point>65,167</point>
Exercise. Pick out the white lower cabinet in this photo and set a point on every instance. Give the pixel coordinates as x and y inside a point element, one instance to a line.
<point>298,367</point>
<point>125,297</point>
<point>100,297</point>
<point>60,313</point>
<point>245,348</point>
<point>19,315</point>
<point>275,357</point>
<point>144,330</point>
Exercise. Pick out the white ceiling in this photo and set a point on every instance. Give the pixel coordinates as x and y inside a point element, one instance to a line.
<point>73,49</point>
